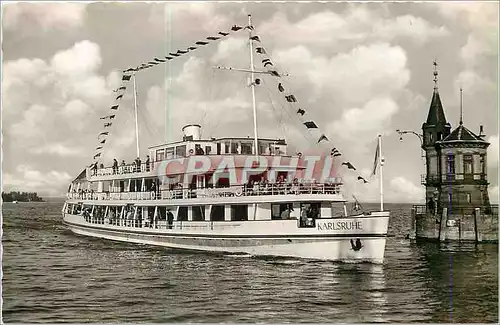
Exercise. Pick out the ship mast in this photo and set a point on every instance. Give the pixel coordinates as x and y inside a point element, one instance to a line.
<point>136,121</point>
<point>252,85</point>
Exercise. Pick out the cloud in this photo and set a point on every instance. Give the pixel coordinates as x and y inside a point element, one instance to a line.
<point>363,124</point>
<point>57,149</point>
<point>402,190</point>
<point>353,77</point>
<point>357,23</point>
<point>26,178</point>
<point>481,20</point>
<point>83,58</point>
<point>46,15</point>
<point>52,108</point>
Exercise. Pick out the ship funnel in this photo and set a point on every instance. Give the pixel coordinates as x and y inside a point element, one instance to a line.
<point>191,132</point>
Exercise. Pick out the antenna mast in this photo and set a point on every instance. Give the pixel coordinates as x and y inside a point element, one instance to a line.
<point>381,161</point>
<point>461,108</point>
<point>136,121</point>
<point>252,85</point>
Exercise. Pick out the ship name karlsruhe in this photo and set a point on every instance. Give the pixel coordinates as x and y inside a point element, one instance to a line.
<point>340,225</point>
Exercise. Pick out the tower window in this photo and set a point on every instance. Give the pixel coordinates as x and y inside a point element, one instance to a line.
<point>451,164</point>
<point>467,164</point>
<point>482,164</point>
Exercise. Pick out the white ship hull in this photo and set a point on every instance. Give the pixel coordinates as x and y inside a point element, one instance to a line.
<point>330,239</point>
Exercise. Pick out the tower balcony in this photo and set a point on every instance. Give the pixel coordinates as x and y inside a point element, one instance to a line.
<point>428,180</point>
<point>455,178</point>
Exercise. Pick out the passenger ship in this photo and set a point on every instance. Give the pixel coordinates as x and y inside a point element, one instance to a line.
<point>223,195</point>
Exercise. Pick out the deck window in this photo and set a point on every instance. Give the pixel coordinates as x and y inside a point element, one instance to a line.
<point>169,153</point>
<point>239,212</point>
<point>246,148</point>
<point>208,149</point>
<point>160,155</point>
<point>182,214</point>
<point>227,145</point>
<point>217,213</point>
<point>180,151</point>
<point>199,213</point>
<point>277,210</point>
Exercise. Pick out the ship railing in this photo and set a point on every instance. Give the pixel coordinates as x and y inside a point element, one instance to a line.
<point>230,191</point>
<point>122,169</point>
<point>492,209</point>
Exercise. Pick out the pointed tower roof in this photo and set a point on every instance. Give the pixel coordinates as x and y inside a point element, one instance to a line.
<point>461,133</point>
<point>436,112</point>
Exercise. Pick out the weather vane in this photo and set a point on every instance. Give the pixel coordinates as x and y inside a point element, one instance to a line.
<point>435,73</point>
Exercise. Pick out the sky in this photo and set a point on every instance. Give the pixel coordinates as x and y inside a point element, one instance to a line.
<point>359,69</point>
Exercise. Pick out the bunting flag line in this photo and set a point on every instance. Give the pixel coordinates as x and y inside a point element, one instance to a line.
<point>97,155</point>
<point>310,125</point>
<point>127,73</point>
<point>349,165</point>
<point>362,179</point>
<point>291,100</point>
<point>322,137</point>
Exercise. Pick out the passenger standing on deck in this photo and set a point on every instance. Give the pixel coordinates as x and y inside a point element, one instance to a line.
<point>303,215</point>
<point>170,219</point>
<point>147,163</point>
<point>138,165</point>
<point>115,166</point>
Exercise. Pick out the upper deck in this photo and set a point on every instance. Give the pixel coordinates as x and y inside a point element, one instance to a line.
<point>209,169</point>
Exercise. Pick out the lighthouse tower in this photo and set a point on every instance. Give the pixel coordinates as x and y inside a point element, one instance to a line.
<point>457,202</point>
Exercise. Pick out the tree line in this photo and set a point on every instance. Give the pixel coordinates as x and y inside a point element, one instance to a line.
<point>21,197</point>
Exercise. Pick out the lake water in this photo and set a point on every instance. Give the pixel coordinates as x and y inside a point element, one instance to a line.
<point>53,275</point>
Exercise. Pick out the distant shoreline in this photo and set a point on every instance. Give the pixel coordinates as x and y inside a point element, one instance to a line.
<point>15,196</point>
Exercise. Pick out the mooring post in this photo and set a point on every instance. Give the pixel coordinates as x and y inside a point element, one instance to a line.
<point>413,229</point>
<point>442,225</point>
<point>477,212</point>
